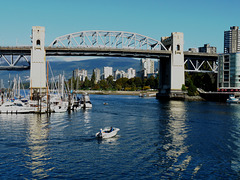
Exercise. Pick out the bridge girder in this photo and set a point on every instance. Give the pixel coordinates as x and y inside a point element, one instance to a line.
<point>200,65</point>
<point>107,39</point>
<point>11,61</point>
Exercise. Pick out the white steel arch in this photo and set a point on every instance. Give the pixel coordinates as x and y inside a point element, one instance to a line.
<point>107,39</point>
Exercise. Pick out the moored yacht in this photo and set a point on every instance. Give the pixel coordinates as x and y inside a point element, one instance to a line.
<point>17,106</point>
<point>85,101</point>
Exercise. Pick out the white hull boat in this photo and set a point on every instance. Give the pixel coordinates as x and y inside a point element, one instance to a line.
<point>59,109</point>
<point>85,101</point>
<point>233,100</point>
<point>15,107</point>
<point>107,132</point>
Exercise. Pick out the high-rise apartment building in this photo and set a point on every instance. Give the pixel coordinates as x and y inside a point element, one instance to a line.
<point>229,62</point>
<point>119,74</point>
<point>97,74</point>
<point>131,73</point>
<point>107,71</point>
<point>82,74</point>
<point>146,66</point>
<point>232,40</point>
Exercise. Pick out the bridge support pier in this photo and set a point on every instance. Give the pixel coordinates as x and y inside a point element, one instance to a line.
<point>171,71</point>
<point>38,84</point>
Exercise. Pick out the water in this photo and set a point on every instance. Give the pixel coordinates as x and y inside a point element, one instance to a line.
<point>157,140</point>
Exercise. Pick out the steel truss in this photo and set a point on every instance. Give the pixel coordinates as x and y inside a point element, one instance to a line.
<point>13,62</point>
<point>107,39</point>
<point>202,65</point>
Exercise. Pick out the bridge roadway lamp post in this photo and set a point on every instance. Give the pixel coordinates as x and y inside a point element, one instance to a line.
<point>38,84</point>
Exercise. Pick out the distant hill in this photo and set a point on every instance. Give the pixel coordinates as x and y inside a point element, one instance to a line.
<point>58,67</point>
<point>117,63</point>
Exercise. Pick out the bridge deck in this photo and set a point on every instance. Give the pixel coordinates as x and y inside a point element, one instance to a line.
<point>56,51</point>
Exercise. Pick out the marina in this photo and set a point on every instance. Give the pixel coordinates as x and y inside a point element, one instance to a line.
<point>105,90</point>
<point>174,141</point>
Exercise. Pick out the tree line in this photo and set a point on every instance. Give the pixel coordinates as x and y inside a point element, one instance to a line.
<point>205,81</point>
<point>123,84</point>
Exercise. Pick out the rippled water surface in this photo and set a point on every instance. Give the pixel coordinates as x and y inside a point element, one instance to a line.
<point>157,140</point>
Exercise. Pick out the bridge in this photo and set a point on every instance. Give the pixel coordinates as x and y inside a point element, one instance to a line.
<point>173,60</point>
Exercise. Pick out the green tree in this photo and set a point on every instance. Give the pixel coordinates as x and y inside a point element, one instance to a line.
<point>138,82</point>
<point>87,83</point>
<point>93,79</point>
<point>122,82</point>
<point>103,84</point>
<point>110,82</point>
<point>192,89</point>
<point>150,82</point>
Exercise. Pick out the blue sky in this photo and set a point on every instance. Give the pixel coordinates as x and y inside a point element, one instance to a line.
<point>201,21</point>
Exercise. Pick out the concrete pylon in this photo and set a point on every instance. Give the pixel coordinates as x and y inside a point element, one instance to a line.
<point>171,70</point>
<point>38,62</point>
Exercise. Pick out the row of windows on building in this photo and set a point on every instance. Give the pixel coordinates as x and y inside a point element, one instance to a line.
<point>146,70</point>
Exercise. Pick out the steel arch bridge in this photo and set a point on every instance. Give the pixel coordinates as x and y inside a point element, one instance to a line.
<point>105,43</point>
<point>107,39</point>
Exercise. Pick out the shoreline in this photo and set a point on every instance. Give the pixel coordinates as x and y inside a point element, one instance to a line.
<point>135,93</point>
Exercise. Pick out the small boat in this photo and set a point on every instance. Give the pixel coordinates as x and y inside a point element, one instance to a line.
<point>107,132</point>
<point>232,99</point>
<point>85,101</point>
<point>142,95</point>
<point>59,109</point>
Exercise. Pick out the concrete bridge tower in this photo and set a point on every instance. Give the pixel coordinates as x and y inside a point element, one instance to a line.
<point>38,63</point>
<point>171,71</point>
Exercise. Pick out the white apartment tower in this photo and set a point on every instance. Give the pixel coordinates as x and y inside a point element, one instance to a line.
<point>82,74</point>
<point>119,74</point>
<point>131,73</point>
<point>146,66</point>
<point>97,74</point>
<point>107,71</point>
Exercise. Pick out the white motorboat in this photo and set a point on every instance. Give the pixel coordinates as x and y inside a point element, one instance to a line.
<point>107,132</point>
<point>233,99</point>
<point>59,109</point>
<point>85,101</point>
<point>16,107</point>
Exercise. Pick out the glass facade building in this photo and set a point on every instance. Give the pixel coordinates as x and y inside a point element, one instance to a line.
<point>229,62</point>
<point>229,72</point>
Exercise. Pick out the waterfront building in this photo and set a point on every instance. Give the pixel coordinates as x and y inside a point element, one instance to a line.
<point>207,49</point>
<point>131,73</point>
<point>232,40</point>
<point>82,74</point>
<point>146,66</point>
<point>229,62</point>
<point>229,72</point>
<point>97,74</point>
<point>107,71</point>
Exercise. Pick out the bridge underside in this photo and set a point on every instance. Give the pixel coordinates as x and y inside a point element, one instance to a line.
<point>112,52</point>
